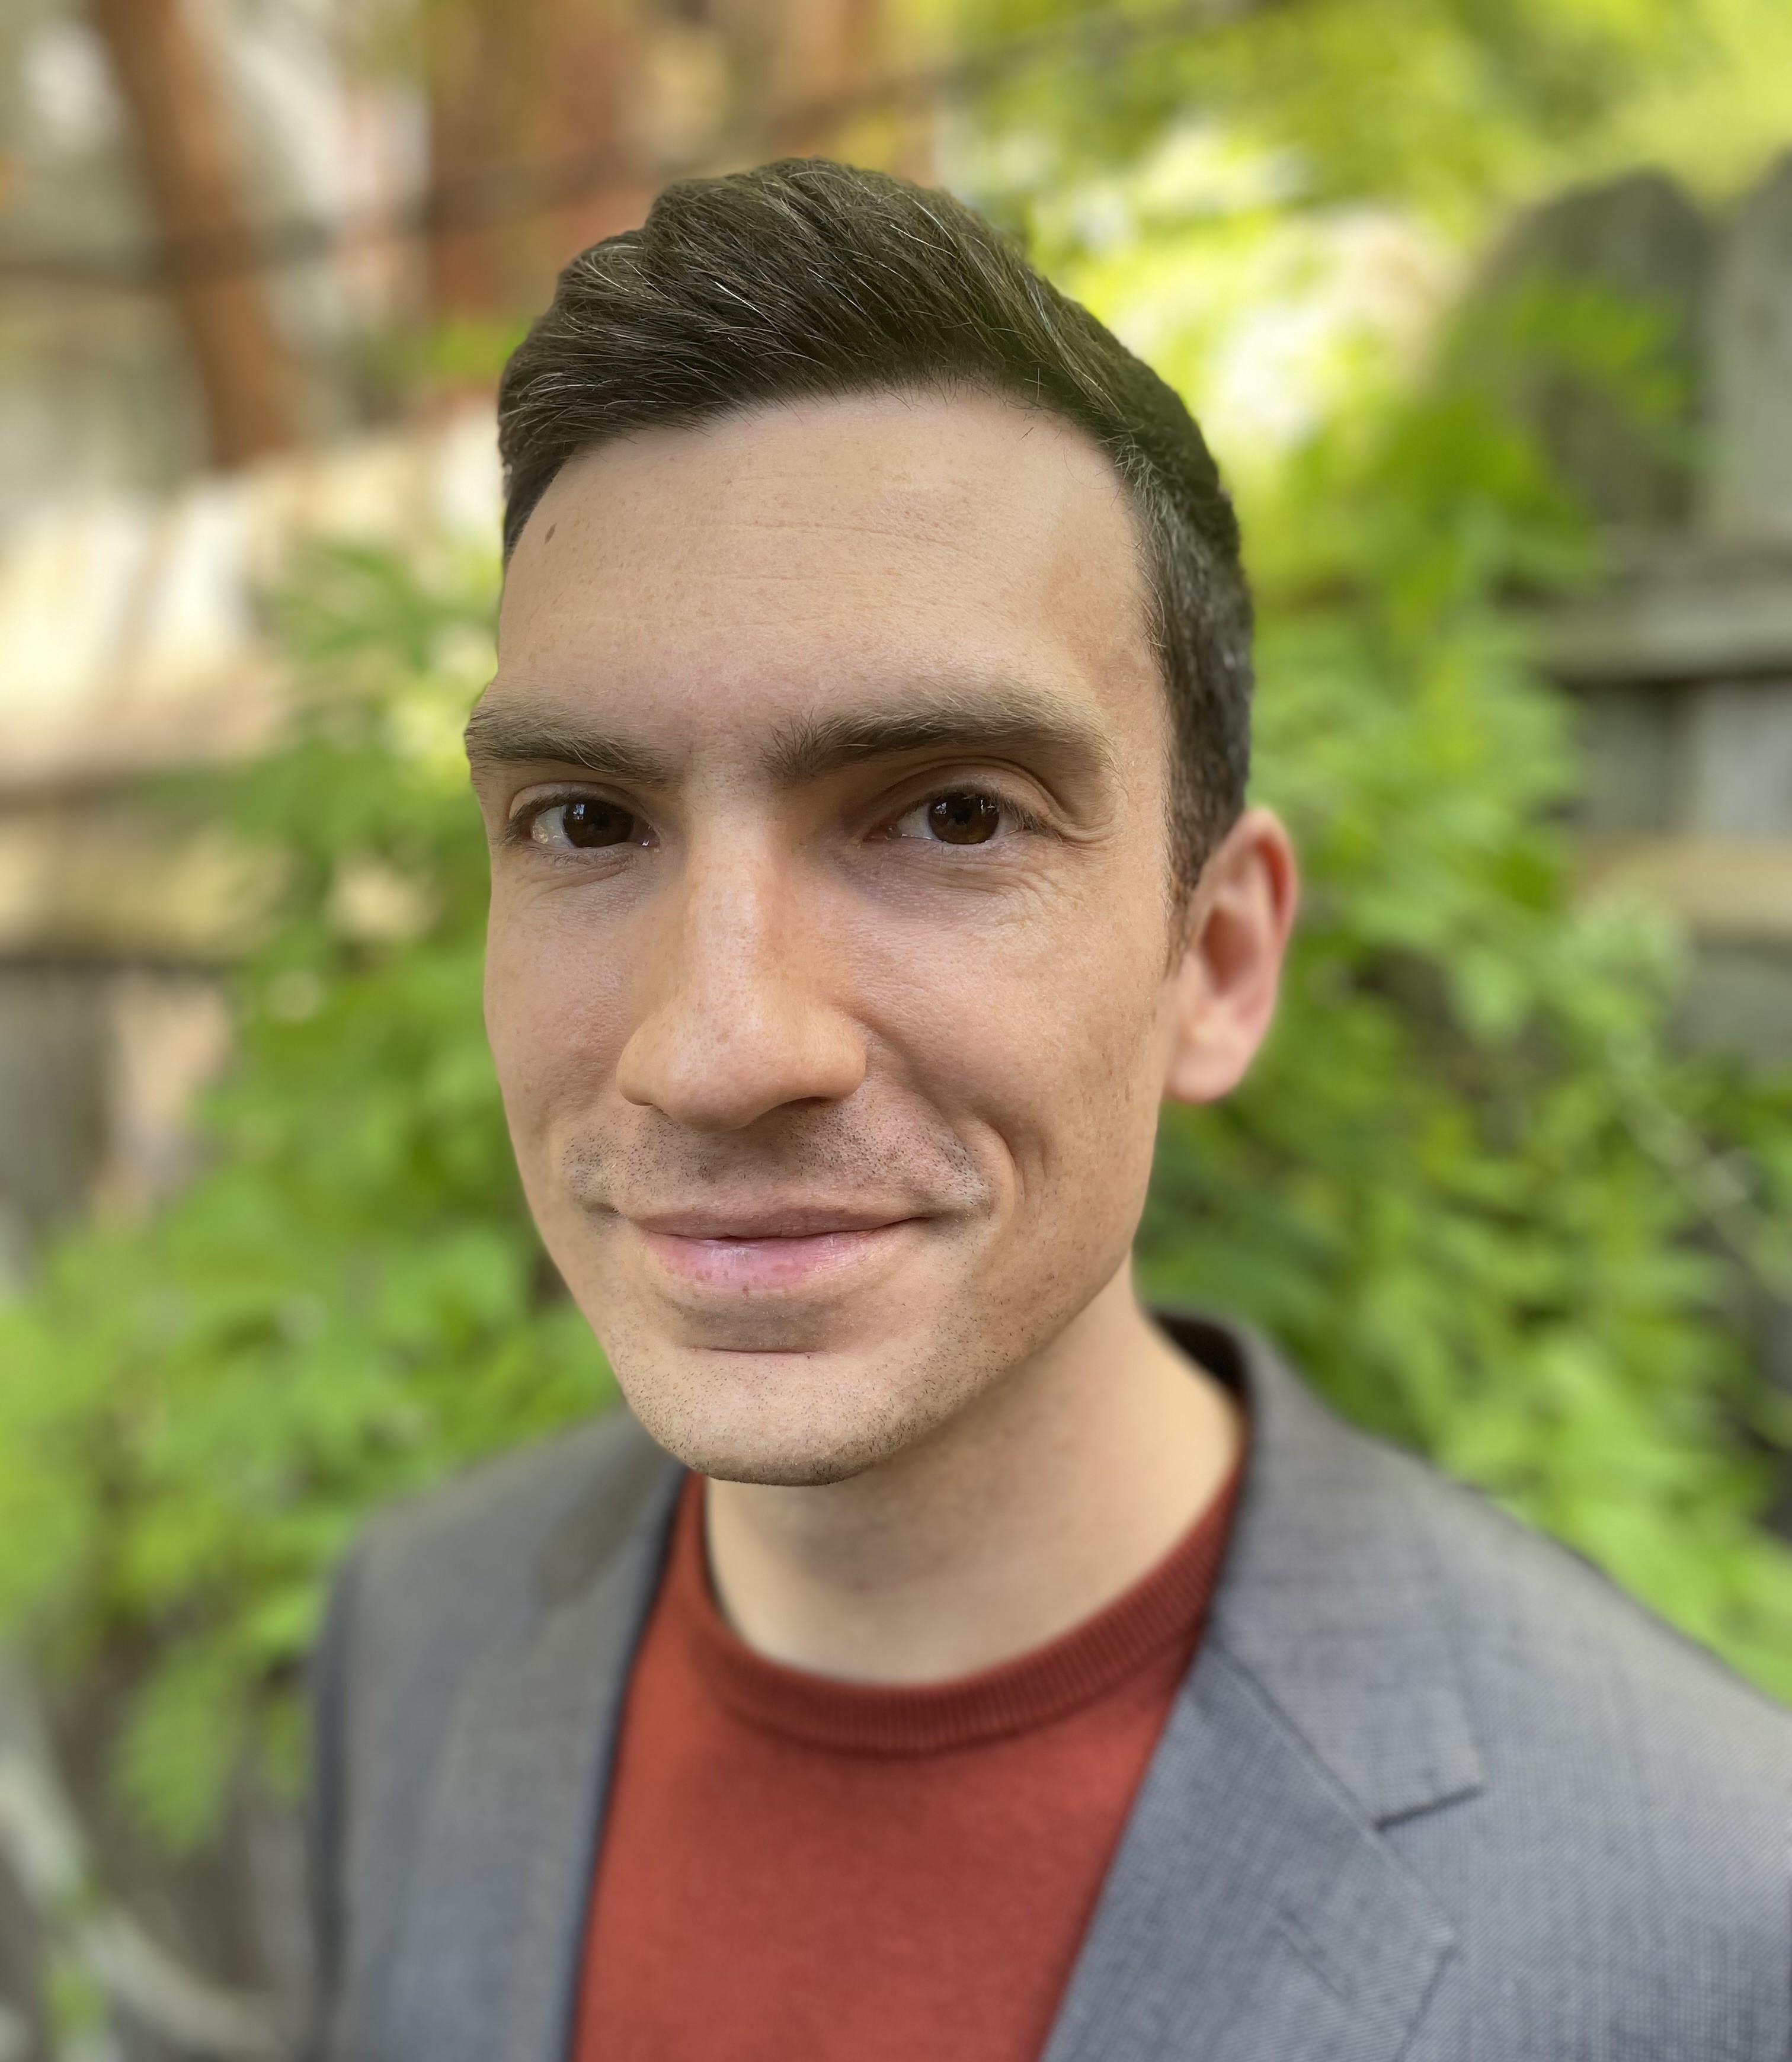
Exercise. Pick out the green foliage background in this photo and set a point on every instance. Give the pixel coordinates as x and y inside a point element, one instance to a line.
<point>1458,107</point>
<point>350,1301</point>
<point>1473,1183</point>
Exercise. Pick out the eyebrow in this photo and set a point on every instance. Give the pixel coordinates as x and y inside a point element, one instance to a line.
<point>810,747</point>
<point>995,720</point>
<point>498,733</point>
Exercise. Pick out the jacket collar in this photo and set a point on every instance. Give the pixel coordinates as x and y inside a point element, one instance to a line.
<point>490,1957</point>
<point>1328,1600</point>
<point>1252,1909</point>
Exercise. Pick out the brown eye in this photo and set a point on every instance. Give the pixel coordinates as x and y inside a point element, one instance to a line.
<point>965,818</point>
<point>587,824</point>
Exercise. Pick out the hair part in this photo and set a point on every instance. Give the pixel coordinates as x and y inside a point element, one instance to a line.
<point>807,279</point>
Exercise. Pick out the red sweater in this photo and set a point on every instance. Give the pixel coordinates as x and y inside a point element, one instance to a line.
<point>794,1867</point>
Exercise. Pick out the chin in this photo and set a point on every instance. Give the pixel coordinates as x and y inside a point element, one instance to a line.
<point>795,1420</point>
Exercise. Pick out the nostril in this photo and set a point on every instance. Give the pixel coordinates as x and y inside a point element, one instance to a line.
<point>723,1071</point>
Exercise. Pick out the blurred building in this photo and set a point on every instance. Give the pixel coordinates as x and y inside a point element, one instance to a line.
<point>131,643</point>
<point>307,210</point>
<point>1682,661</point>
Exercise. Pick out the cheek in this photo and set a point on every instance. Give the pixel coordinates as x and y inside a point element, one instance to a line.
<point>554,1012</point>
<point>1051,1038</point>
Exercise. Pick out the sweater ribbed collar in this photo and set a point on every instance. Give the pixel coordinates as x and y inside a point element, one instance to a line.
<point>1161,1614</point>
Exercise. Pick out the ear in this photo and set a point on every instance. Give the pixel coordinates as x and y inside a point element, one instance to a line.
<point>1225,982</point>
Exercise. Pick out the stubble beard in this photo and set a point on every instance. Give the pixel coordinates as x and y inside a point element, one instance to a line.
<point>794,1394</point>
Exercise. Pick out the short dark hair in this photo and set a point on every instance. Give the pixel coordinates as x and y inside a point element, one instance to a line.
<point>807,277</point>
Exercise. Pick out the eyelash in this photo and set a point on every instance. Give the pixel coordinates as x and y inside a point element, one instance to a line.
<point>519,830</point>
<point>1021,817</point>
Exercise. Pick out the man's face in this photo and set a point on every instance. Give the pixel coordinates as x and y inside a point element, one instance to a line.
<point>829,978</point>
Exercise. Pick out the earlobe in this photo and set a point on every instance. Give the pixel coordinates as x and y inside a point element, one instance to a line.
<point>1224,985</point>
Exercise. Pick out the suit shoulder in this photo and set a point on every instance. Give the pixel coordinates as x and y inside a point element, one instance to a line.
<point>1618,1881</point>
<point>1552,1648</point>
<point>511,1496</point>
<point>466,1563</point>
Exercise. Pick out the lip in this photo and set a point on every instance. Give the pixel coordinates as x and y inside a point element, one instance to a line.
<point>743,1252</point>
<point>766,1221</point>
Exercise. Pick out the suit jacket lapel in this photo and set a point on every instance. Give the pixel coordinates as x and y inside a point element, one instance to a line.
<point>490,1957</point>
<point>1250,1913</point>
<point>1254,1911</point>
<point>1328,1597</point>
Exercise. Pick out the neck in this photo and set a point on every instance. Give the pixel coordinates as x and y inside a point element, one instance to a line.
<point>1063,1484</point>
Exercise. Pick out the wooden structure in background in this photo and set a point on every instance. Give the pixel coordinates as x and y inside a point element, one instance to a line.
<point>131,641</point>
<point>192,174</point>
<point>1682,662</point>
<point>586,105</point>
<point>521,93</point>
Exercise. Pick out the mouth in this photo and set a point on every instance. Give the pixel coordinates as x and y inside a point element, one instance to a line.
<point>748,1252</point>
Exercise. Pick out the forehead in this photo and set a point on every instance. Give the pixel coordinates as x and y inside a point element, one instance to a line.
<point>719,576</point>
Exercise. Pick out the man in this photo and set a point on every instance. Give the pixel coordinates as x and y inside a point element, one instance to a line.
<point>940,1658</point>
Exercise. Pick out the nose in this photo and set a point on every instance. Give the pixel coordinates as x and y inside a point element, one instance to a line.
<point>740,1019</point>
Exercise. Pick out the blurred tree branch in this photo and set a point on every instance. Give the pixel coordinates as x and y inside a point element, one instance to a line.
<point>513,189</point>
<point>190,169</point>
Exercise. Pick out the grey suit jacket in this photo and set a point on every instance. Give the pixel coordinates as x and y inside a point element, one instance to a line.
<point>1432,1789</point>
